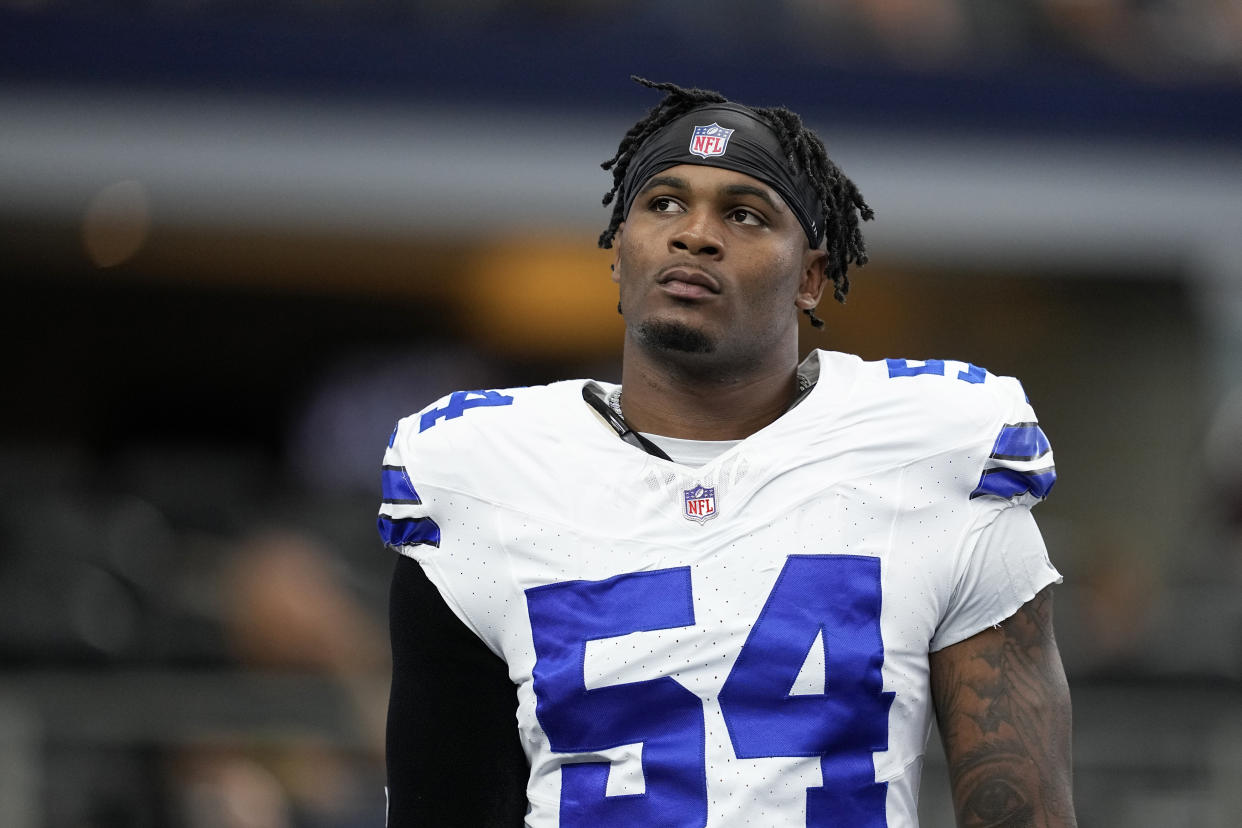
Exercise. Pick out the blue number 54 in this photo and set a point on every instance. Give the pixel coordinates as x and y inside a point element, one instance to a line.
<point>833,596</point>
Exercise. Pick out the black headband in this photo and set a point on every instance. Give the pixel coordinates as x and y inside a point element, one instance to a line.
<point>733,137</point>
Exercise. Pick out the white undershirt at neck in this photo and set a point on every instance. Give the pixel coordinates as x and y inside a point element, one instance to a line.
<point>691,452</point>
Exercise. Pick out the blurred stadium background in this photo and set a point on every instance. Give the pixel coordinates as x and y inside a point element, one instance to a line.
<point>238,240</point>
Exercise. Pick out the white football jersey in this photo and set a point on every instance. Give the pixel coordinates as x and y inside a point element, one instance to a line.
<point>741,643</point>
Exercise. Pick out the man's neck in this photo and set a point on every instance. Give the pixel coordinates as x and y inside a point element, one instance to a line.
<point>676,401</point>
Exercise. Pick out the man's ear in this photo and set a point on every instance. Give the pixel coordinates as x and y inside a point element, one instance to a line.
<point>616,251</point>
<point>814,279</point>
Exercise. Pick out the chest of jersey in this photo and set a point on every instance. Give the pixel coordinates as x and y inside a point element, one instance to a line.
<point>740,644</point>
<point>699,663</point>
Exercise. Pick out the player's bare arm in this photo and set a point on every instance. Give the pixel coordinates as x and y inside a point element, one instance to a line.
<point>1003,706</point>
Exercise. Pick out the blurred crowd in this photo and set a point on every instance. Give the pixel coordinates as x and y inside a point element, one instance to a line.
<point>190,638</point>
<point>1152,40</point>
<point>194,634</point>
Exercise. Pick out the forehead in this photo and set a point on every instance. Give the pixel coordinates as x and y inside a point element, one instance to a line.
<point>706,180</point>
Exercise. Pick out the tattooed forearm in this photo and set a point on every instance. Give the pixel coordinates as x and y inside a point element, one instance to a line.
<point>1004,713</point>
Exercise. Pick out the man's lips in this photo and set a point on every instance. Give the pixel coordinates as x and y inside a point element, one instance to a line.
<point>688,283</point>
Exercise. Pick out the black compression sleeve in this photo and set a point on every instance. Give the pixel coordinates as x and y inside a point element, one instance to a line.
<point>454,755</point>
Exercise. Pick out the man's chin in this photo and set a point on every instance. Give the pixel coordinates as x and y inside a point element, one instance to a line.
<point>666,335</point>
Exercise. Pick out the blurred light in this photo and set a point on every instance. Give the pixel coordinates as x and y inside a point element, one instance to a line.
<point>543,297</point>
<point>117,223</point>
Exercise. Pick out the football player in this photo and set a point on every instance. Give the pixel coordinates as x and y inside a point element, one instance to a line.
<point>734,589</point>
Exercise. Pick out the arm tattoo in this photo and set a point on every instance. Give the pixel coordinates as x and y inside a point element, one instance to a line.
<point>1004,713</point>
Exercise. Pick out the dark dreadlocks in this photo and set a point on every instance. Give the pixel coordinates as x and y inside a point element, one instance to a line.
<point>840,201</point>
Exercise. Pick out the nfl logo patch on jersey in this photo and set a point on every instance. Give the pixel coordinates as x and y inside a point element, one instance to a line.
<point>699,504</point>
<point>708,141</point>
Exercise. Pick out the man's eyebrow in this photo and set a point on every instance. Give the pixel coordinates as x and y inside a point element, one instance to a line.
<point>747,189</point>
<point>733,190</point>
<point>665,181</point>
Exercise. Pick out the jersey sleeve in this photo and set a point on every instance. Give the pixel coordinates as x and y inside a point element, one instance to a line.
<point>1007,567</point>
<point>452,715</point>
<point>442,485</point>
<point>426,493</point>
<point>404,519</point>
<point>1019,467</point>
<point>1004,561</point>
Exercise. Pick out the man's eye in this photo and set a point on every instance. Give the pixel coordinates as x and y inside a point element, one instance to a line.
<point>742,216</point>
<point>664,204</point>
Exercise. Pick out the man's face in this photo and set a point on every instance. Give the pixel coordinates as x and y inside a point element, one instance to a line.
<point>713,262</point>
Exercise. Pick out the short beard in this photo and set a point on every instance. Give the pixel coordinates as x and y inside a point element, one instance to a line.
<point>674,336</point>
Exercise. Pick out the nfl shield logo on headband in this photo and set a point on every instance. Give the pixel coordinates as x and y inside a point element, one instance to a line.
<point>709,141</point>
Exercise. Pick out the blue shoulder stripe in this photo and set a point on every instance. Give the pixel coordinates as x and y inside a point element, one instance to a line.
<point>395,486</point>
<point>408,531</point>
<point>1009,483</point>
<point>1021,441</point>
